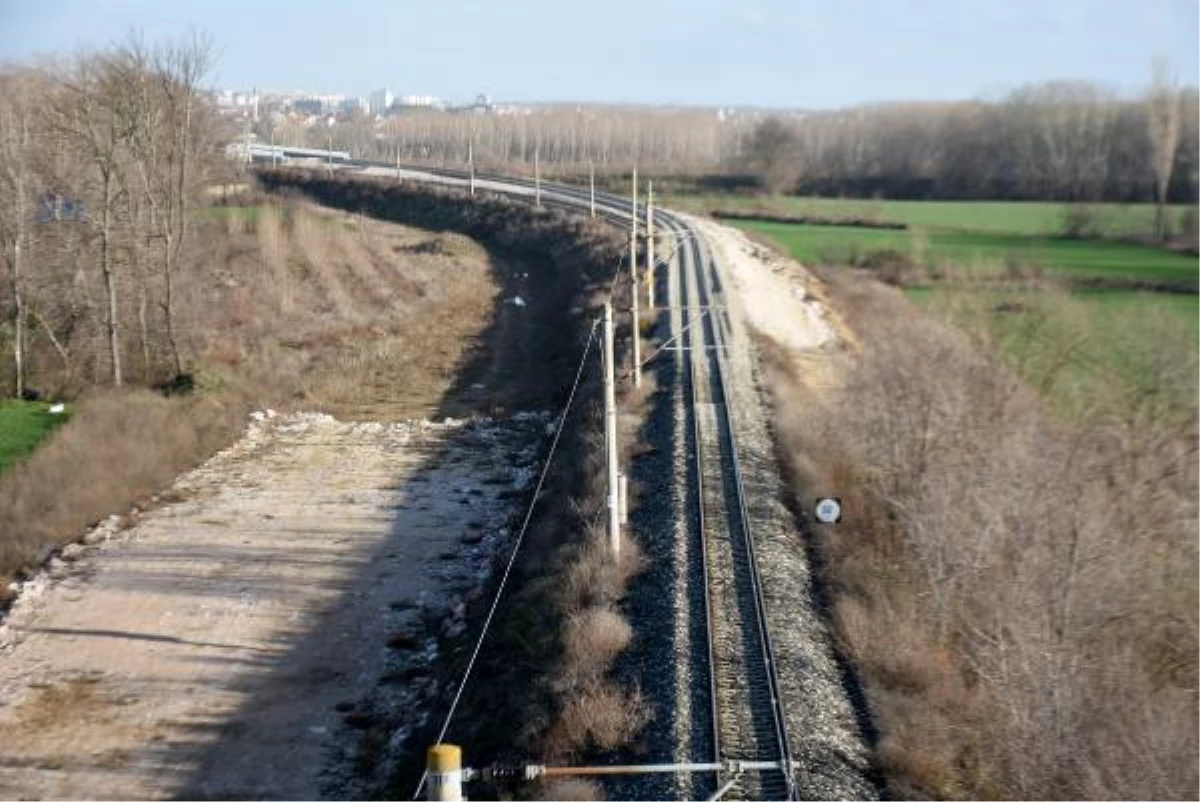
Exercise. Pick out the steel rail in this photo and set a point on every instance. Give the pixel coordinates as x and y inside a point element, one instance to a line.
<point>742,640</point>
<point>688,337</point>
<point>719,355</point>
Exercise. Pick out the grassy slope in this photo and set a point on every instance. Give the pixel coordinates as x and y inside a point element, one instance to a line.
<point>24,424</point>
<point>1074,347</point>
<point>1068,345</point>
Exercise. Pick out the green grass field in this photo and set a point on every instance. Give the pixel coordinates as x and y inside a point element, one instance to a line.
<point>1031,218</point>
<point>1078,346</point>
<point>1070,258</point>
<point>24,424</point>
<point>1086,351</point>
<point>250,214</point>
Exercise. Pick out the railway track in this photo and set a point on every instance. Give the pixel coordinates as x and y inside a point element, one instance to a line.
<point>746,715</point>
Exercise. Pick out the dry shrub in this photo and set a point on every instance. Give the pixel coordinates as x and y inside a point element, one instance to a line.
<point>594,638</point>
<point>274,255</point>
<point>598,714</point>
<point>592,577</point>
<point>1078,221</point>
<point>117,448</point>
<point>1189,225</point>
<point>448,243</point>
<point>893,267</point>
<point>313,235</point>
<point>1018,592</point>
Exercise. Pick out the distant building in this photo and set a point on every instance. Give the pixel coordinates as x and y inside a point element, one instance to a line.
<point>379,101</point>
<point>309,105</point>
<point>419,101</point>
<point>483,104</point>
<point>352,105</point>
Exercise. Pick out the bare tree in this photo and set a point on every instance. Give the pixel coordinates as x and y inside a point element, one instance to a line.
<point>180,68</point>
<point>90,113</point>
<point>771,152</point>
<point>16,202</point>
<point>1162,119</point>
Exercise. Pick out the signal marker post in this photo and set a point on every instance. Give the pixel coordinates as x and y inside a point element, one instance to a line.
<point>610,438</point>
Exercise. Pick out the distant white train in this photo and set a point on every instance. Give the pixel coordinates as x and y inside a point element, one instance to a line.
<point>282,154</point>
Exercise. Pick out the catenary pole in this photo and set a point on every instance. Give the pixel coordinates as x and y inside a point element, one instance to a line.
<point>635,322</point>
<point>610,437</point>
<point>650,245</point>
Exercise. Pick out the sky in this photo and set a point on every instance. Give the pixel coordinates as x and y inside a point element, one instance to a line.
<point>770,53</point>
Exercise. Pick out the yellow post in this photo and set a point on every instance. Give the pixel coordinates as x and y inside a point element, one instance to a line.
<point>443,762</point>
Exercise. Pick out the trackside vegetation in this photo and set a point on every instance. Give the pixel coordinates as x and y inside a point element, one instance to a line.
<point>23,425</point>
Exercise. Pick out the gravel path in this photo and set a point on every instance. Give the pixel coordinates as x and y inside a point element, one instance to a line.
<point>242,641</point>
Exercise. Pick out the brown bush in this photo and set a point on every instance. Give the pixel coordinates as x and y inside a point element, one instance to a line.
<point>591,577</point>
<point>892,267</point>
<point>598,714</point>
<point>1189,224</point>
<point>1006,582</point>
<point>594,638</point>
<point>119,447</point>
<point>1078,221</point>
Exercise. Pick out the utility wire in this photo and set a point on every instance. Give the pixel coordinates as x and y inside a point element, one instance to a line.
<point>512,559</point>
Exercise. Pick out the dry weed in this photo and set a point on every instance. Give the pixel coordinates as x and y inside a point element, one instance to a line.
<point>118,447</point>
<point>594,638</point>
<point>999,580</point>
<point>599,714</point>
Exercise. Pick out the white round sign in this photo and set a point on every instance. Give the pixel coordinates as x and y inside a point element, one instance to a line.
<point>829,510</point>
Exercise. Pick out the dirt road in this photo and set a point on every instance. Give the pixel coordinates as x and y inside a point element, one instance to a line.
<point>239,642</point>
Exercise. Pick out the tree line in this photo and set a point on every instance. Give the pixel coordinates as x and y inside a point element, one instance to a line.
<point>1059,141</point>
<point>559,138</point>
<point>103,159</point>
